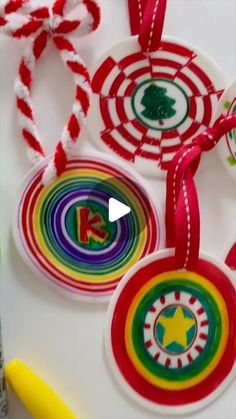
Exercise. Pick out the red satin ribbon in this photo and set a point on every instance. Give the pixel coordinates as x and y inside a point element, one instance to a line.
<point>136,12</point>
<point>147,19</point>
<point>182,211</point>
<point>152,26</point>
<point>187,224</point>
<point>231,258</point>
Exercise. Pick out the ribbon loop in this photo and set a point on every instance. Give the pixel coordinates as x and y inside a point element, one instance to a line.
<point>152,25</point>
<point>187,225</point>
<point>182,212</point>
<point>147,20</point>
<point>207,140</point>
<point>136,12</point>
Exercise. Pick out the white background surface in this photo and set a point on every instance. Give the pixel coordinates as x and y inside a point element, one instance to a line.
<point>60,339</point>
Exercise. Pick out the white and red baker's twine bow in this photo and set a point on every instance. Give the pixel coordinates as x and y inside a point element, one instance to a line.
<point>182,211</point>
<point>41,23</point>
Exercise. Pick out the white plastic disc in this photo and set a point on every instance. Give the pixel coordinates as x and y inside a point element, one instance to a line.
<point>63,231</point>
<point>171,334</point>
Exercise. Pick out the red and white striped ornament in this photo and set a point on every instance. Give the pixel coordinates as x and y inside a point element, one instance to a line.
<point>41,23</point>
<point>152,93</point>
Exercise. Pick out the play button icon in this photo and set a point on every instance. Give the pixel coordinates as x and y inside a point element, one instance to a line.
<point>117,210</point>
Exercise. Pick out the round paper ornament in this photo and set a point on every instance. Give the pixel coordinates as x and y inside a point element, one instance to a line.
<point>63,231</point>
<point>152,94</point>
<point>227,146</point>
<point>171,334</point>
<point>171,324</point>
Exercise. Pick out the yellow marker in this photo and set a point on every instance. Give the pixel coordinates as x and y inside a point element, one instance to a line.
<point>38,398</point>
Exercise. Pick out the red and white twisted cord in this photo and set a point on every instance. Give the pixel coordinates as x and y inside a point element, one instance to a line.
<point>9,9</point>
<point>24,17</point>
<point>42,23</point>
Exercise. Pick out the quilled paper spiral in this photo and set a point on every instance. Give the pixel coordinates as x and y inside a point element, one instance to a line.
<point>63,231</point>
<point>171,335</point>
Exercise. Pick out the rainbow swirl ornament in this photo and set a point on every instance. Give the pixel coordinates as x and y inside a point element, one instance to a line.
<point>171,335</point>
<point>47,225</point>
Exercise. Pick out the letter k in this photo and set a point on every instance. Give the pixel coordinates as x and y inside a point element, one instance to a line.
<point>90,225</point>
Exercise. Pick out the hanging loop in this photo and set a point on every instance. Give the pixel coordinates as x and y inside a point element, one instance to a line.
<point>136,12</point>
<point>152,25</point>
<point>41,24</point>
<point>147,20</point>
<point>182,211</point>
